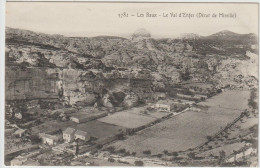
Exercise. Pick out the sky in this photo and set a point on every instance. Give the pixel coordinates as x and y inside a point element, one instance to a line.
<point>88,19</point>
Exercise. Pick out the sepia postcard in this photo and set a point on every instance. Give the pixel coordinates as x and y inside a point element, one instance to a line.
<point>131,84</point>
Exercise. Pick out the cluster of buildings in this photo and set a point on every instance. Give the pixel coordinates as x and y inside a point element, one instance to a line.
<point>164,106</point>
<point>82,117</point>
<point>69,135</point>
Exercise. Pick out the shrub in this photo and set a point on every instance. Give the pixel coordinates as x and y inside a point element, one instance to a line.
<point>119,161</point>
<point>121,136</point>
<point>147,152</point>
<point>158,155</point>
<point>139,163</point>
<point>127,153</point>
<point>191,155</point>
<point>111,160</point>
<point>99,146</point>
<point>122,151</point>
<point>209,138</point>
<point>165,152</point>
<point>110,149</point>
<point>175,154</point>
<point>35,139</point>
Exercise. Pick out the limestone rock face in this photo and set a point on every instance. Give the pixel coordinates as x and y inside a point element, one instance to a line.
<point>131,70</point>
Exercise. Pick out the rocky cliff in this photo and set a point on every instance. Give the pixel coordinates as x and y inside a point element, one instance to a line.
<point>114,71</point>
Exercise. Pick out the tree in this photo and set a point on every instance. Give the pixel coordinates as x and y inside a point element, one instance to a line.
<point>165,152</point>
<point>122,150</point>
<point>147,152</point>
<point>185,75</point>
<point>120,136</point>
<point>139,163</point>
<point>175,154</point>
<point>35,139</point>
<point>111,160</point>
<point>191,155</point>
<point>251,101</point>
<point>77,147</point>
<point>99,146</point>
<point>111,149</point>
<point>209,138</point>
<point>219,91</point>
<point>235,155</point>
<point>222,155</point>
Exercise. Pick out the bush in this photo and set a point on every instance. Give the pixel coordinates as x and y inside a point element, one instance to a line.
<point>121,136</point>
<point>35,139</point>
<point>158,155</point>
<point>122,151</point>
<point>191,155</point>
<point>139,163</point>
<point>133,153</point>
<point>147,152</point>
<point>219,91</point>
<point>110,149</point>
<point>209,138</point>
<point>111,160</point>
<point>127,153</point>
<point>165,152</point>
<point>175,154</point>
<point>99,146</point>
<point>119,161</point>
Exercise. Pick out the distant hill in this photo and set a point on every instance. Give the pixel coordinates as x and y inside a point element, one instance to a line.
<point>190,36</point>
<point>107,37</point>
<point>231,36</point>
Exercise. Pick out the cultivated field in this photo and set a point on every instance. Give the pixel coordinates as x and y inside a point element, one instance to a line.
<point>99,129</point>
<point>93,128</point>
<point>189,129</point>
<point>127,120</point>
<point>232,99</point>
<point>133,118</point>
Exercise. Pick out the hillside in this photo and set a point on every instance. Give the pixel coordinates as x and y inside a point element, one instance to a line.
<point>141,65</point>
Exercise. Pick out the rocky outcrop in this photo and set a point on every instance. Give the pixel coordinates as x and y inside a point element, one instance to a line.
<point>114,71</point>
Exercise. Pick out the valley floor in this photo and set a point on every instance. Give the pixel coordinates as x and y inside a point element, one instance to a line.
<point>195,136</point>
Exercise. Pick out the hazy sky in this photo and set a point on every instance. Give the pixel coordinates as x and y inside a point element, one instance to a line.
<point>93,19</point>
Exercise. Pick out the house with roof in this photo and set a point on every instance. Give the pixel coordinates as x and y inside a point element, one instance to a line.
<point>84,116</point>
<point>49,139</point>
<point>164,106</point>
<point>82,135</point>
<point>69,134</point>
